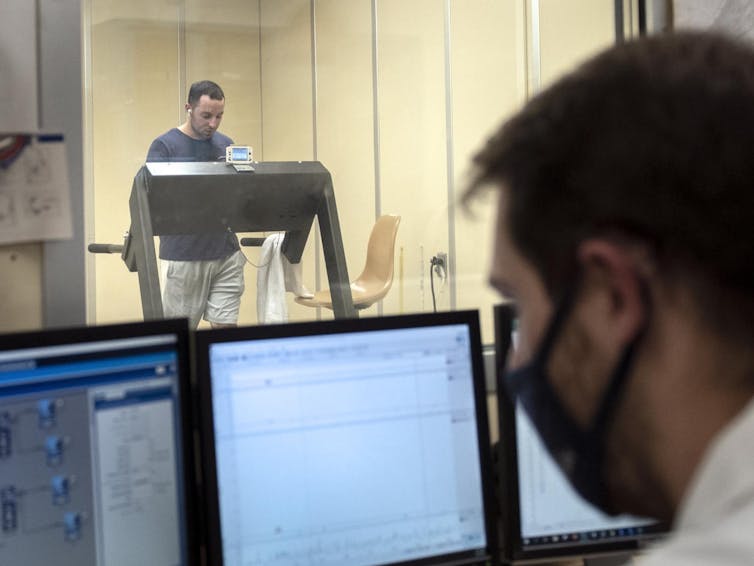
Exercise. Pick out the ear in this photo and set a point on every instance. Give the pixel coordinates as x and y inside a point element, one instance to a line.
<point>613,290</point>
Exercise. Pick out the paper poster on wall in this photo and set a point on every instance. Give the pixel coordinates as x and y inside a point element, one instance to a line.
<point>34,191</point>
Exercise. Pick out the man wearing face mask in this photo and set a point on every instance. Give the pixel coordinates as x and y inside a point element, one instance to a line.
<point>202,274</point>
<point>626,239</point>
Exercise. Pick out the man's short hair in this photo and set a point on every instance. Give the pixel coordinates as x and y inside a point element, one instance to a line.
<point>200,88</point>
<point>651,141</point>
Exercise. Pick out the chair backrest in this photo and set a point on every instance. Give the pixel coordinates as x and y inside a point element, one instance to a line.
<point>381,249</point>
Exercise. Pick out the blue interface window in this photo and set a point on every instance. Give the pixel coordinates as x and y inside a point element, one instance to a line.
<point>90,453</point>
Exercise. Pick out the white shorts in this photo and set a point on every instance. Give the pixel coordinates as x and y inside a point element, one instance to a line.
<point>211,289</point>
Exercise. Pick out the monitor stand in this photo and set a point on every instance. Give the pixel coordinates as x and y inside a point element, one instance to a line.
<point>614,560</point>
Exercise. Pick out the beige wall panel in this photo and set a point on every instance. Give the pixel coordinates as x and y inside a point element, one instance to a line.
<point>570,32</point>
<point>238,77</point>
<point>487,61</point>
<point>411,86</point>
<point>345,125</point>
<point>20,287</point>
<point>164,11</point>
<point>287,112</point>
<point>135,91</point>
<point>230,13</point>
<point>286,80</point>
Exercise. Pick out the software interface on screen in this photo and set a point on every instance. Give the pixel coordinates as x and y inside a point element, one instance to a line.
<point>88,454</point>
<point>551,512</point>
<point>357,448</point>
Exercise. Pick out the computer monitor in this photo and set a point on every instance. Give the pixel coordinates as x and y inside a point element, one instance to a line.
<point>353,441</point>
<point>92,450</point>
<point>542,516</point>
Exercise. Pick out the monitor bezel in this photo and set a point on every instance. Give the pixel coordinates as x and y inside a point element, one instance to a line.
<point>512,546</point>
<point>101,333</point>
<point>206,337</point>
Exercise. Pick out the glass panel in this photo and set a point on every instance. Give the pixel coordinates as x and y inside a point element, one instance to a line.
<point>287,112</point>
<point>411,87</point>
<point>145,54</point>
<point>135,97</point>
<point>286,80</point>
<point>345,125</point>
<point>571,32</point>
<point>222,44</point>
<point>488,82</point>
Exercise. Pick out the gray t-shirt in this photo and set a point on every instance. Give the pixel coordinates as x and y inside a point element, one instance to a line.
<point>174,145</point>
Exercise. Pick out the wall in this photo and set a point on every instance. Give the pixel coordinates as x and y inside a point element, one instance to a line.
<point>44,284</point>
<point>564,37</point>
<point>20,287</point>
<point>64,278</point>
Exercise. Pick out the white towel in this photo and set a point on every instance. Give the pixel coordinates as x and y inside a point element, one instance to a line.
<point>275,276</point>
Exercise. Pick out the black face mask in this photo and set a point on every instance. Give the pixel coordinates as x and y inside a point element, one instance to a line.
<point>579,453</point>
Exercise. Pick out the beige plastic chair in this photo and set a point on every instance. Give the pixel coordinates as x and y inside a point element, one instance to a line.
<point>377,277</point>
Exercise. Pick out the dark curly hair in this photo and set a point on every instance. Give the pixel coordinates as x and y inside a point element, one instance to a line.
<point>651,140</point>
<point>200,88</point>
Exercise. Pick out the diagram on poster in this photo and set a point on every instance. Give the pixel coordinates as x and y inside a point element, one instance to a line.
<point>34,192</point>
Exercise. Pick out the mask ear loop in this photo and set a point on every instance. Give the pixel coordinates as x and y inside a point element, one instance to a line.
<point>622,370</point>
<point>563,310</point>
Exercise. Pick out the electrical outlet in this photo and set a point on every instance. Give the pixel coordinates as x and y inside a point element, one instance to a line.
<point>441,265</point>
